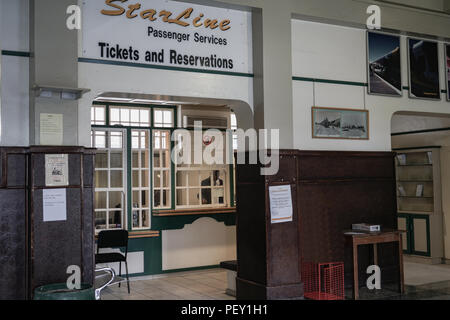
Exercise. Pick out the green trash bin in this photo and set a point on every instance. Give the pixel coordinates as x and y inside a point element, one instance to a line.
<point>60,291</point>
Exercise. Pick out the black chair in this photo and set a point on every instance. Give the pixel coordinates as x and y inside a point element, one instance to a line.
<point>113,239</point>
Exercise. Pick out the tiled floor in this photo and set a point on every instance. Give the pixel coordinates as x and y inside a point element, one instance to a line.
<point>195,285</point>
<point>422,282</point>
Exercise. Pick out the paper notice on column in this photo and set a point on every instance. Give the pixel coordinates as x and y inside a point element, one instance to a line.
<point>54,205</point>
<point>51,129</point>
<point>56,170</point>
<point>280,203</point>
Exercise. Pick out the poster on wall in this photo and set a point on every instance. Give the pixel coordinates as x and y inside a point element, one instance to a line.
<point>336,123</point>
<point>384,67</point>
<point>447,69</point>
<point>167,33</point>
<point>423,69</point>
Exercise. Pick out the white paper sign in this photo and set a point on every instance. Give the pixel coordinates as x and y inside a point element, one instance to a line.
<point>167,33</point>
<point>56,170</point>
<point>54,205</point>
<point>280,203</point>
<point>51,129</point>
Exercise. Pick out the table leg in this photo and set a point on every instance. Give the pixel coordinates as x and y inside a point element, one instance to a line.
<point>355,273</point>
<point>400,261</point>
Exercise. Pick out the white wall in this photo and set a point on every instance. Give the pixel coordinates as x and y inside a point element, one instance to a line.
<point>206,242</point>
<point>15,70</point>
<point>339,53</point>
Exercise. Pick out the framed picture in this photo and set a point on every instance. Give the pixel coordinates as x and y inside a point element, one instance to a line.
<point>336,123</point>
<point>383,65</point>
<point>423,69</point>
<point>447,69</point>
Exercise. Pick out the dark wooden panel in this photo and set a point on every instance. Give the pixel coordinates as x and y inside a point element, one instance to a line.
<point>12,245</point>
<point>345,165</point>
<point>16,170</point>
<point>56,245</point>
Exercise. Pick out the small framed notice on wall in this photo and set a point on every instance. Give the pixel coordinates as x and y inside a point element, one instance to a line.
<point>56,170</point>
<point>280,203</point>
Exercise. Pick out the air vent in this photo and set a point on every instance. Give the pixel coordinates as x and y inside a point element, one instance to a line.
<point>207,122</point>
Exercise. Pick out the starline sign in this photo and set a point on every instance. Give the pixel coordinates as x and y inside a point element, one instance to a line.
<point>184,19</point>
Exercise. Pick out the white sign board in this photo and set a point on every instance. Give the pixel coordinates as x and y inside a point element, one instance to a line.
<point>51,129</point>
<point>167,33</point>
<point>280,203</point>
<point>56,170</point>
<point>54,205</point>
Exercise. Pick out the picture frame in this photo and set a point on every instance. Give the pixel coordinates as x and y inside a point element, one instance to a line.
<point>339,123</point>
<point>447,68</point>
<point>423,79</point>
<point>384,68</point>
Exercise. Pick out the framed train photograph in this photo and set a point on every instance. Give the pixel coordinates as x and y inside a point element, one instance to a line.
<point>423,69</point>
<point>339,123</point>
<point>384,64</point>
<point>447,69</point>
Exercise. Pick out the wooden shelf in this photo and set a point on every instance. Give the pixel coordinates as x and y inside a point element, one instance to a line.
<point>414,181</point>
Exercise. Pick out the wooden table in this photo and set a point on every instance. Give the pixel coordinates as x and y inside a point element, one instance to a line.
<point>357,238</point>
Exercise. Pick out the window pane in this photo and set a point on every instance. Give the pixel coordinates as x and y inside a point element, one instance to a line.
<point>136,218</point>
<point>145,178</point>
<point>100,114</point>
<point>166,179</point>
<point>101,179</point>
<point>193,179</point>
<point>194,196</point>
<point>116,179</point>
<point>157,198</point>
<point>135,178</point>
<point>145,219</point>
<point>100,200</point>
<point>101,160</point>
<point>181,178</point>
<point>145,117</point>
<point>165,161</point>
<point>136,200</point>
<point>166,194</point>
<point>100,139</point>
<point>156,160</point>
<point>124,116</point>
<point>145,203</point>
<point>135,116</point>
<point>135,159</point>
<point>116,160</point>
<point>157,179</point>
<point>158,117</point>
<point>100,220</point>
<point>205,178</point>
<point>114,115</point>
<point>115,199</point>
<point>115,219</point>
<point>218,195</point>
<point>182,197</point>
<point>116,140</point>
<point>145,159</point>
<point>206,196</point>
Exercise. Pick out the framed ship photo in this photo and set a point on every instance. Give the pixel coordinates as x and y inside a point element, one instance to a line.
<point>338,123</point>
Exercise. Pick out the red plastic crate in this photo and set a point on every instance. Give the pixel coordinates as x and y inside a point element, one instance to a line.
<point>323,281</point>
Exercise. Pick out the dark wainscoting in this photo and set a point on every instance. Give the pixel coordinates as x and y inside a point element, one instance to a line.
<point>331,190</point>
<point>33,252</point>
